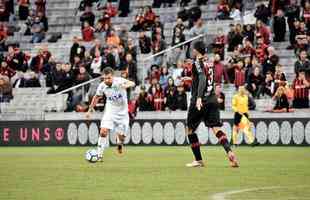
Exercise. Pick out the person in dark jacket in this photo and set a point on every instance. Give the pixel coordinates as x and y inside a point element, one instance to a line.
<point>88,16</point>
<point>124,8</point>
<point>77,49</point>
<point>292,12</point>
<point>170,99</point>
<point>144,101</point>
<point>131,68</point>
<point>279,27</point>
<point>32,81</point>
<point>181,98</point>
<point>263,13</point>
<point>108,59</point>
<point>271,61</point>
<point>303,64</point>
<point>255,83</point>
<point>145,43</point>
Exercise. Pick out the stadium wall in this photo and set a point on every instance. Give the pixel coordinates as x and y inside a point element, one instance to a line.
<point>146,131</point>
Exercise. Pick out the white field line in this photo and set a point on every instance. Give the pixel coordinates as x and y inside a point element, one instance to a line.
<point>223,195</point>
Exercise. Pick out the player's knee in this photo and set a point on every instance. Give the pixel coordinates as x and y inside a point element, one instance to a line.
<point>104,132</point>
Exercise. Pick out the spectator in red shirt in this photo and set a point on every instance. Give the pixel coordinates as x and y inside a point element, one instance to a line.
<point>40,6</point>
<point>3,37</point>
<point>306,14</point>
<point>158,98</point>
<point>220,71</point>
<point>16,59</point>
<point>139,21</point>
<point>301,91</point>
<point>5,70</point>
<point>37,62</point>
<point>239,74</point>
<point>261,50</point>
<point>262,30</point>
<point>88,32</point>
<point>219,43</point>
<point>110,10</point>
<point>149,17</point>
<point>223,10</point>
<point>248,50</point>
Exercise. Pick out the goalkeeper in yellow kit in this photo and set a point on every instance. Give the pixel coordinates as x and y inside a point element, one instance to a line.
<point>241,118</point>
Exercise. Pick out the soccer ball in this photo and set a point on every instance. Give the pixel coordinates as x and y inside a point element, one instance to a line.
<point>91,156</point>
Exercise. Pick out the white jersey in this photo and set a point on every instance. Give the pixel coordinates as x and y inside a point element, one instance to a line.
<point>116,107</point>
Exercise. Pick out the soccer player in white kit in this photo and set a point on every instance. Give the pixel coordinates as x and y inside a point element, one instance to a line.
<point>115,115</point>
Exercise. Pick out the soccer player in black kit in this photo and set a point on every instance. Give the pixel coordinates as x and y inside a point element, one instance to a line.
<point>204,107</point>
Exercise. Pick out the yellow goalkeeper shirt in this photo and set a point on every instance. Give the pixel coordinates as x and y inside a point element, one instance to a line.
<point>240,103</point>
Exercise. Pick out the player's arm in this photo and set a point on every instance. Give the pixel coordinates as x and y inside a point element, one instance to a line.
<point>92,105</point>
<point>201,87</point>
<point>234,103</point>
<point>128,84</point>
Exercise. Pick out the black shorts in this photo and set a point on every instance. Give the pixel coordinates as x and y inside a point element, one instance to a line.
<point>237,118</point>
<point>209,114</point>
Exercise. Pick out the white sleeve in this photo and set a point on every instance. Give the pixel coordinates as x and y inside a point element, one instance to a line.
<point>121,81</point>
<point>100,89</point>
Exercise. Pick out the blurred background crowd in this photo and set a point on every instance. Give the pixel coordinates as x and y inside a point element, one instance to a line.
<point>243,56</point>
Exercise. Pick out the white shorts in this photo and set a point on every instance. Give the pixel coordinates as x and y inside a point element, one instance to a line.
<point>116,125</point>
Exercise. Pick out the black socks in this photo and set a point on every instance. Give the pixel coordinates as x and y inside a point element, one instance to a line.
<point>195,145</point>
<point>221,136</point>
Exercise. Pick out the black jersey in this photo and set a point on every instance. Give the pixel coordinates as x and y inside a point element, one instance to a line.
<point>202,72</point>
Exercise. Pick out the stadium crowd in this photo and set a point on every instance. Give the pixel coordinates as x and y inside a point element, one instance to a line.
<point>251,60</point>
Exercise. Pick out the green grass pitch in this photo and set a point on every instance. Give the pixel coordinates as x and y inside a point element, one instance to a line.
<point>154,173</point>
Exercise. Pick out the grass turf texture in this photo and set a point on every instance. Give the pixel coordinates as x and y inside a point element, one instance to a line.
<point>152,173</point>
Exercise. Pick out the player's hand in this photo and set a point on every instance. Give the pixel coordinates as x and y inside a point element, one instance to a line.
<point>199,103</point>
<point>87,115</point>
<point>124,86</point>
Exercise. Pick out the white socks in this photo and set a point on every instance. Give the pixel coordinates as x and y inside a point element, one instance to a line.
<point>102,144</point>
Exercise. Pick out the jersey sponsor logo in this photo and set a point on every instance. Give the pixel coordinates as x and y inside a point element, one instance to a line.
<point>209,71</point>
<point>115,97</point>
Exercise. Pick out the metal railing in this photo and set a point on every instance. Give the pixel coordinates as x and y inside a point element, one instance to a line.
<point>143,60</point>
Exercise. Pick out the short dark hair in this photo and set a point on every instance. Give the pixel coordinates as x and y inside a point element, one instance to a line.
<point>107,70</point>
<point>200,47</point>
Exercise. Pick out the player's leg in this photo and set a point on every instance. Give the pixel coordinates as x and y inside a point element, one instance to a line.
<point>237,119</point>
<point>193,120</point>
<point>105,127</point>
<point>121,130</point>
<point>246,127</point>
<point>102,142</point>
<point>120,138</point>
<point>235,134</point>
<point>212,120</point>
<point>224,142</point>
